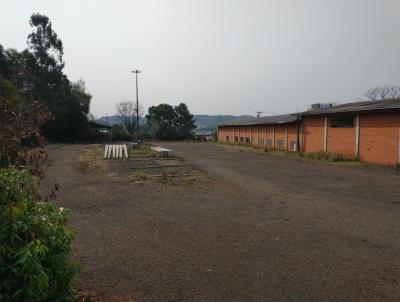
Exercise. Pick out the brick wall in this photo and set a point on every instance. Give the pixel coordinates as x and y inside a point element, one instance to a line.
<point>254,139</point>
<point>313,134</point>
<point>292,136</point>
<point>378,142</point>
<point>342,140</point>
<point>269,137</point>
<point>260,132</point>
<point>222,132</point>
<point>379,138</point>
<point>280,135</point>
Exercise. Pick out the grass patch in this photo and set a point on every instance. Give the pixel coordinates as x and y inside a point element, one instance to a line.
<point>318,156</point>
<point>139,176</point>
<point>91,160</point>
<point>327,156</point>
<point>142,150</point>
<point>164,175</point>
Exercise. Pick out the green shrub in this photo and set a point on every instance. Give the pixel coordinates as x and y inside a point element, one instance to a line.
<point>337,157</point>
<point>35,253</point>
<point>333,157</point>
<point>119,133</point>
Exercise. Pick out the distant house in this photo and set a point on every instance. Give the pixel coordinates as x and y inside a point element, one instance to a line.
<point>205,136</point>
<point>369,130</point>
<point>99,132</point>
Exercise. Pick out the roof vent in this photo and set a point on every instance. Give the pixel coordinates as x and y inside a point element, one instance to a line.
<point>321,105</point>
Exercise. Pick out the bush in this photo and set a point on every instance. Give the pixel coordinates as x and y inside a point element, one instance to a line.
<point>119,133</point>
<point>35,253</point>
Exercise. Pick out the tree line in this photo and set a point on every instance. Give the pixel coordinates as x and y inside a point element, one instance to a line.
<point>36,262</point>
<point>168,123</point>
<point>164,122</point>
<point>35,76</point>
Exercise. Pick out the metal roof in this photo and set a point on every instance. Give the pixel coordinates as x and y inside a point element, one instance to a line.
<point>391,104</point>
<point>264,120</point>
<point>356,107</point>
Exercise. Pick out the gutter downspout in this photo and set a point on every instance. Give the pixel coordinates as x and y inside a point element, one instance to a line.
<point>357,151</point>
<point>287,139</point>
<point>273,138</point>
<point>398,156</point>
<point>326,134</point>
<point>265,141</point>
<point>298,134</point>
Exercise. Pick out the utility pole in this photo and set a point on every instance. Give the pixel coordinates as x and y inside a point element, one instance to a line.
<point>137,105</point>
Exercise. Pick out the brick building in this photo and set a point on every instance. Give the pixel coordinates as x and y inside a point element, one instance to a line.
<point>278,132</point>
<point>370,130</point>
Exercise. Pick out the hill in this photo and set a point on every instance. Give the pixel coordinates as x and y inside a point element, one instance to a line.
<point>114,120</point>
<point>203,122</point>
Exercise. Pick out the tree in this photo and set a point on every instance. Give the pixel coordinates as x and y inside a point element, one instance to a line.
<point>20,121</point>
<point>383,93</point>
<point>78,90</point>
<point>45,44</point>
<point>68,102</point>
<point>184,121</point>
<point>161,121</point>
<point>126,112</point>
<point>167,122</point>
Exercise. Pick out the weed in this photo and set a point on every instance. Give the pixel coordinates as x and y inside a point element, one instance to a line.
<point>138,176</point>
<point>332,157</point>
<point>164,176</point>
<point>91,160</point>
<point>320,155</point>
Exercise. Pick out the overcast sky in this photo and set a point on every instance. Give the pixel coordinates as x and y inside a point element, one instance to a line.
<point>220,56</point>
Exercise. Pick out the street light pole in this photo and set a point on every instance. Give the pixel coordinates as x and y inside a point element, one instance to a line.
<point>137,105</point>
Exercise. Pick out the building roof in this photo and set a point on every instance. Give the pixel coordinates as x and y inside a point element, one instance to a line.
<point>94,124</point>
<point>264,120</point>
<point>356,107</point>
<point>391,104</point>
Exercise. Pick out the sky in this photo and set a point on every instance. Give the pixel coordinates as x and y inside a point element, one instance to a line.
<point>220,56</point>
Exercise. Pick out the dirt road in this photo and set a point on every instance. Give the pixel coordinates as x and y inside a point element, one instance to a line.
<point>264,229</point>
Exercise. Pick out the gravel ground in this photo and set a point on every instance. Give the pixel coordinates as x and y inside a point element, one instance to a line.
<point>262,228</point>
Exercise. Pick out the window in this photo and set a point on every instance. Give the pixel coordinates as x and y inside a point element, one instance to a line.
<point>341,122</point>
<point>261,141</point>
<point>227,138</point>
<point>247,140</point>
<point>236,139</point>
<point>269,143</point>
<point>280,143</point>
<point>241,139</point>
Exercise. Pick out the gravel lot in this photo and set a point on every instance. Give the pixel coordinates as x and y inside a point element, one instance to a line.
<point>262,228</point>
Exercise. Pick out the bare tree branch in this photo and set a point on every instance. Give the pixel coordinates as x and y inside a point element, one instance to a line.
<point>381,93</point>
<point>127,115</point>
